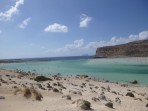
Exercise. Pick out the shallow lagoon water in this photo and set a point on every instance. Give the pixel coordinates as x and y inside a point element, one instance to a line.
<point>115,69</point>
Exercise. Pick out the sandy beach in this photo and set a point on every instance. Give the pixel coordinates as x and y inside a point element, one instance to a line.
<point>68,93</point>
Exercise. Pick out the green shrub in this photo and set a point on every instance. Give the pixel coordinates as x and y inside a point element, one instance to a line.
<point>42,78</point>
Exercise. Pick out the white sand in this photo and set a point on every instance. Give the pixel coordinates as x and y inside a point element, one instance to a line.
<point>53,101</point>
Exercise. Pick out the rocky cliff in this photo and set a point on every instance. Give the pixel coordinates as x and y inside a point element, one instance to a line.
<point>132,49</point>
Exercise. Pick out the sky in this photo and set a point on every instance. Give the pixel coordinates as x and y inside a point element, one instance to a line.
<point>53,28</point>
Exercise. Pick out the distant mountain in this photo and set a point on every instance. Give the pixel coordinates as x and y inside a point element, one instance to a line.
<point>131,49</point>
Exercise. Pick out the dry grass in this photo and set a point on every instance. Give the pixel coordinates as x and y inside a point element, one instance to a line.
<point>17,90</point>
<point>26,92</point>
<point>29,92</point>
<point>36,94</point>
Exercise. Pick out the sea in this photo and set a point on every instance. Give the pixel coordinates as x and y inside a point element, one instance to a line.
<point>113,69</point>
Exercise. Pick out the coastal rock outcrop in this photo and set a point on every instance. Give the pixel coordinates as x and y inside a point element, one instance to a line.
<point>134,82</point>
<point>132,49</point>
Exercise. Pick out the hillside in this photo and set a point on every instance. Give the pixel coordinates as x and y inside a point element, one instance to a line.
<point>131,49</point>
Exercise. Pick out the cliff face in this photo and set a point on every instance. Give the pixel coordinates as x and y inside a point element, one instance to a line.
<point>132,49</point>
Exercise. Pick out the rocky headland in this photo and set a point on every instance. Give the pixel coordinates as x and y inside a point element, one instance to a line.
<point>131,49</point>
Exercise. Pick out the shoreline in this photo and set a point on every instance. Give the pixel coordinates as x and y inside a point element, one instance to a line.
<point>60,58</point>
<point>55,91</point>
<point>44,59</point>
<point>92,77</point>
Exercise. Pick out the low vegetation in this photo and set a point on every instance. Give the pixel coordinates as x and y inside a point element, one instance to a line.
<point>42,78</point>
<point>28,93</point>
<point>38,96</point>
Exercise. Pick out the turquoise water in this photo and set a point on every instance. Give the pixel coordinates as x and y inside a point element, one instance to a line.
<point>117,69</point>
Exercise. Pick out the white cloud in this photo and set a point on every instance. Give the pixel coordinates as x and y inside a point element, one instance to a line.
<point>84,20</point>
<point>7,15</point>
<point>80,47</point>
<point>118,40</point>
<point>56,28</point>
<point>24,23</point>
<point>143,35</point>
<point>77,44</point>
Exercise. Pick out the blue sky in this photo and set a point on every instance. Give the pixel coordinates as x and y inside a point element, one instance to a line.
<point>47,28</point>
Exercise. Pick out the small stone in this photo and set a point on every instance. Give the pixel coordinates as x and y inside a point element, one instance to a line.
<point>78,92</point>
<point>106,80</point>
<point>124,85</point>
<point>83,104</point>
<point>102,97</point>
<point>59,84</point>
<point>72,92</point>
<point>4,82</point>
<point>142,94</point>
<point>2,97</point>
<point>128,90</point>
<point>87,80</point>
<point>130,94</point>
<point>54,84</point>
<point>83,84</point>
<point>117,99</point>
<point>93,91</point>
<point>114,92</point>
<point>96,87</point>
<point>147,105</point>
<point>91,85</point>
<point>55,90</point>
<point>68,97</point>
<point>138,99</point>
<point>146,98</point>
<point>134,91</point>
<point>108,88</point>
<point>102,93</point>
<point>102,87</point>
<point>63,87</point>
<point>134,82</point>
<point>83,76</point>
<point>49,86</point>
<point>43,88</point>
<point>95,99</point>
<point>14,87</point>
<point>109,104</point>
